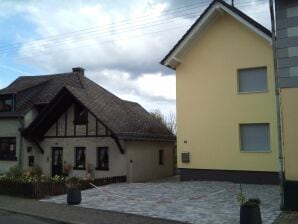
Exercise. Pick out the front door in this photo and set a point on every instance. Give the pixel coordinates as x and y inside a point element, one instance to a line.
<point>57,161</point>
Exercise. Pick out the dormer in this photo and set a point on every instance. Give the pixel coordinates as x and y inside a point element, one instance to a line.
<point>7,103</point>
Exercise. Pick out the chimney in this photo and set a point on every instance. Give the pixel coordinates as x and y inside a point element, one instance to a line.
<point>78,70</point>
<point>232,3</point>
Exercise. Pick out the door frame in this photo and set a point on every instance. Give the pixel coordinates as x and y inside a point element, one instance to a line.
<point>52,163</point>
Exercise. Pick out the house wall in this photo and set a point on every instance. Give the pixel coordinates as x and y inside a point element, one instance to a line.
<point>289,106</point>
<point>64,133</point>
<point>143,160</point>
<point>117,160</point>
<point>9,127</point>
<point>287,63</point>
<point>209,107</point>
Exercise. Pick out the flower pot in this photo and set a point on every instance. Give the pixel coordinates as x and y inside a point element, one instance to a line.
<point>74,196</point>
<point>250,214</point>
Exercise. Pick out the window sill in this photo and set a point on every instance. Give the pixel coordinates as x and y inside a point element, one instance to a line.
<point>11,159</point>
<point>254,151</point>
<point>265,91</point>
<point>78,168</point>
<point>102,169</point>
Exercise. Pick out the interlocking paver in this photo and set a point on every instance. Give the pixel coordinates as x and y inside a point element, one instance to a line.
<point>194,202</point>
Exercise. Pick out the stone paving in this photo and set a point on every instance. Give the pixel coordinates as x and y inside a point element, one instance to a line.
<point>192,202</point>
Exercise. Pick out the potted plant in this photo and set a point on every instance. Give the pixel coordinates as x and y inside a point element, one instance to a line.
<point>89,171</point>
<point>249,209</point>
<point>67,167</point>
<point>74,196</point>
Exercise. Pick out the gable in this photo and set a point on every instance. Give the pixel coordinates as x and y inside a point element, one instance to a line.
<point>216,8</point>
<point>65,126</point>
<point>226,40</point>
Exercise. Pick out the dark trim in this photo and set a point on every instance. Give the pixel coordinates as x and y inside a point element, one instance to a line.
<point>234,9</point>
<point>57,127</point>
<point>118,144</point>
<point>38,146</point>
<point>291,195</point>
<point>237,176</point>
<point>65,122</point>
<point>87,130</point>
<point>78,136</point>
<point>96,127</point>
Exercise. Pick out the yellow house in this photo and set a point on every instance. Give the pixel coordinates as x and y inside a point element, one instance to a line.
<point>226,109</point>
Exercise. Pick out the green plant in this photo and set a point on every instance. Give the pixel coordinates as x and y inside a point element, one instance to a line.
<point>73,182</point>
<point>241,197</point>
<point>14,172</point>
<point>36,171</point>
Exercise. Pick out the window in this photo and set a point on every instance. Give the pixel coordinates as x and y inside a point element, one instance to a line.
<point>103,158</point>
<point>81,114</point>
<point>252,80</point>
<point>31,161</point>
<point>255,137</point>
<point>6,103</point>
<point>161,157</point>
<point>8,149</point>
<point>80,158</point>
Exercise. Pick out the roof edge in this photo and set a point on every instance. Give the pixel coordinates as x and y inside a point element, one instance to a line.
<point>233,11</point>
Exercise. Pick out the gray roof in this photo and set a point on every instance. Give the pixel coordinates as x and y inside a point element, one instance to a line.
<point>128,120</point>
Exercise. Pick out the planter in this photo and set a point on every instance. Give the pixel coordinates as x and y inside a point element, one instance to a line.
<point>74,196</point>
<point>250,212</point>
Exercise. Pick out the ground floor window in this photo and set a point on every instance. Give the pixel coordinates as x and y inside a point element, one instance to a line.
<point>8,148</point>
<point>161,157</point>
<point>255,137</point>
<point>80,158</point>
<point>31,161</point>
<point>103,158</point>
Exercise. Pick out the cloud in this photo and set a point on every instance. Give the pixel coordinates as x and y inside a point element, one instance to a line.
<point>136,45</point>
<point>153,91</point>
<point>120,44</point>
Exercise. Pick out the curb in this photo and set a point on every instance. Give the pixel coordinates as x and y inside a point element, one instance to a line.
<point>60,221</point>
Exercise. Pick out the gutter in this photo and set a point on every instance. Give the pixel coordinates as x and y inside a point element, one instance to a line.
<point>278,108</point>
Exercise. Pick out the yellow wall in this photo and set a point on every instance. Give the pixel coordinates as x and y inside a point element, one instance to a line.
<point>209,108</point>
<point>289,105</point>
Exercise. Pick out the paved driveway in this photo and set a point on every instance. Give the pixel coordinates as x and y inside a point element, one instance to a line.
<point>193,202</point>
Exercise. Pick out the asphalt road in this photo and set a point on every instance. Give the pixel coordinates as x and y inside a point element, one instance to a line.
<point>14,218</point>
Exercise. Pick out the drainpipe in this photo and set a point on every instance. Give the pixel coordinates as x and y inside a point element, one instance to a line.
<point>278,108</point>
<point>21,120</point>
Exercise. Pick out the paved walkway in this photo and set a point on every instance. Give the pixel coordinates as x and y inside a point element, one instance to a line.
<point>287,218</point>
<point>193,202</point>
<point>72,214</point>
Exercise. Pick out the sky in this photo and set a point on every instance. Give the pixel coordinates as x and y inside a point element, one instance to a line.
<point>119,43</point>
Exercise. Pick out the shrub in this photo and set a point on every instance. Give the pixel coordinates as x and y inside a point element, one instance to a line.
<point>14,172</point>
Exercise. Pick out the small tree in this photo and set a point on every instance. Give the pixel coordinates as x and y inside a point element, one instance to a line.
<point>169,121</point>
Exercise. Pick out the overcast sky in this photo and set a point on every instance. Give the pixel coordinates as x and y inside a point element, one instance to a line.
<point>119,43</point>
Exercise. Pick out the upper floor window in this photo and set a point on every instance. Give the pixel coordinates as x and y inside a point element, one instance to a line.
<point>81,114</point>
<point>8,148</point>
<point>6,103</point>
<point>252,80</point>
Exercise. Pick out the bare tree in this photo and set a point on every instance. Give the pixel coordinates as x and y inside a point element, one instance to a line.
<point>169,121</point>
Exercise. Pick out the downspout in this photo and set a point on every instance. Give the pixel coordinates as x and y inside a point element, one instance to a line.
<point>21,120</point>
<point>278,108</point>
